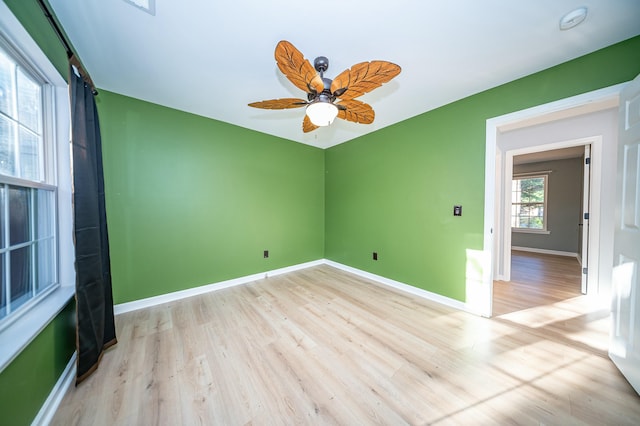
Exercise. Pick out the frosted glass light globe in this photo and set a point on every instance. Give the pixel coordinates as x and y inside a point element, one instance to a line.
<point>322,113</point>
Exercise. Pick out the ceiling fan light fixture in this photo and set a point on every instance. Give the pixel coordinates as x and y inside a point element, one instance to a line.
<point>322,112</point>
<point>323,92</point>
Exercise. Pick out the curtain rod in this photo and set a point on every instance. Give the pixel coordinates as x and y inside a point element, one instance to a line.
<point>73,59</point>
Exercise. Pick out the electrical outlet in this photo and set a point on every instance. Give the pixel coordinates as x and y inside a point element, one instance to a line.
<point>457,210</point>
<point>266,254</point>
<point>375,255</point>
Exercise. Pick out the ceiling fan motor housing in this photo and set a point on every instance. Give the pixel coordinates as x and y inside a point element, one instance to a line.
<point>324,96</point>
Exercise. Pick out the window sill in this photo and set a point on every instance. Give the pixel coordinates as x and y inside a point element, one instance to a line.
<point>18,335</point>
<point>531,231</point>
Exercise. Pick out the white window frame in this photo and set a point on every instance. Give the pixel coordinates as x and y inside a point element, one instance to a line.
<point>545,176</point>
<point>30,322</point>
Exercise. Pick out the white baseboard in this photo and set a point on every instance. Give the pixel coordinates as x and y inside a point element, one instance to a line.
<point>545,251</point>
<point>434,297</point>
<point>50,406</point>
<point>177,295</point>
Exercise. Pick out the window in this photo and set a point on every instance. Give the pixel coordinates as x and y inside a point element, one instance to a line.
<point>529,203</point>
<point>37,276</point>
<point>28,255</point>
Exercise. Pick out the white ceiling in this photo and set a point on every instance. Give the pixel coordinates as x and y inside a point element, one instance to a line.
<point>550,155</point>
<point>213,57</point>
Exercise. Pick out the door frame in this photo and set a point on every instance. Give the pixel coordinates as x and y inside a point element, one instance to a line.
<point>585,220</point>
<point>496,162</point>
<point>503,226</point>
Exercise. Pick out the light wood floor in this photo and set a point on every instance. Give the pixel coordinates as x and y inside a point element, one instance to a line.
<point>320,346</point>
<point>537,280</point>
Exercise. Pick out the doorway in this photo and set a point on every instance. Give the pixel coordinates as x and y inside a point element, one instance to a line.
<point>560,222</point>
<point>590,118</point>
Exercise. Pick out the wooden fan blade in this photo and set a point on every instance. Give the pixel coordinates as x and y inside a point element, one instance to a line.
<point>297,69</point>
<point>307,125</point>
<point>284,103</point>
<point>363,78</point>
<point>356,111</point>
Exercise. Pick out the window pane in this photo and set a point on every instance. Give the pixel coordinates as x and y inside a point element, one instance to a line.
<point>515,191</point>
<point>29,104</point>
<point>3,292</point>
<point>537,220</point>
<point>29,155</point>
<point>7,85</point>
<point>20,276</point>
<point>7,146</point>
<point>45,271</point>
<point>44,214</point>
<point>19,209</point>
<point>532,190</point>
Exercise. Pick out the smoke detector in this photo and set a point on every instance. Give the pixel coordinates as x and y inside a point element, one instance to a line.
<point>573,18</point>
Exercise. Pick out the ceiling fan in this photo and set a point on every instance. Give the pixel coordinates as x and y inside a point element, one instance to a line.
<point>328,99</point>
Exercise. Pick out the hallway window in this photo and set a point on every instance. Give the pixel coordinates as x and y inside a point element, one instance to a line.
<point>529,203</point>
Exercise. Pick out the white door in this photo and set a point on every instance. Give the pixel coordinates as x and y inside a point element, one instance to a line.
<point>586,203</point>
<point>625,309</point>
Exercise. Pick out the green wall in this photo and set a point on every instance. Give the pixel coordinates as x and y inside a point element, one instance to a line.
<point>193,201</point>
<point>27,381</point>
<point>393,191</point>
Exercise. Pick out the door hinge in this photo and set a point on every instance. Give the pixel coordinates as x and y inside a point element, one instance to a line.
<point>586,216</point>
<point>585,271</point>
<point>587,161</point>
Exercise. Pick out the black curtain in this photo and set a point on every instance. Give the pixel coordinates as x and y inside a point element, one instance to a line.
<point>95,330</point>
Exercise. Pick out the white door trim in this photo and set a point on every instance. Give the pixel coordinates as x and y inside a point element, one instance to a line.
<point>495,161</point>
<point>585,216</point>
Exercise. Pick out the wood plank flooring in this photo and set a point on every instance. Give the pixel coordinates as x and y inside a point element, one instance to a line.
<point>321,346</point>
<point>537,280</point>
